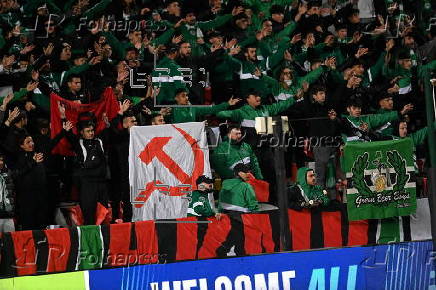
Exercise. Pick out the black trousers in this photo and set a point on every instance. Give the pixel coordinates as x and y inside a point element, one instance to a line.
<point>92,191</point>
<point>32,209</point>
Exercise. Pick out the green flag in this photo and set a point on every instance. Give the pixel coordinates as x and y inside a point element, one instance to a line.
<point>90,248</point>
<point>380,179</point>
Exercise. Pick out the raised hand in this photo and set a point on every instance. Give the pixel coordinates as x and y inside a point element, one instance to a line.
<point>233,101</point>
<point>177,39</point>
<point>165,111</point>
<point>287,55</point>
<point>31,86</point>
<point>390,44</point>
<point>237,10</point>
<point>12,115</point>
<point>231,43</point>
<point>6,101</point>
<point>332,115</point>
<point>364,127</point>
<point>106,120</point>
<point>27,49</point>
<point>122,76</point>
<point>61,109</point>
<point>235,50</point>
<point>179,23</point>
<point>296,38</point>
<point>124,106</point>
<point>38,157</point>
<point>67,126</point>
<point>361,51</point>
<point>406,109</point>
<point>302,9</point>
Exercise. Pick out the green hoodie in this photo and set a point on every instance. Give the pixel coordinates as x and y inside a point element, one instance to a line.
<point>237,195</point>
<point>310,192</point>
<point>228,154</point>
<point>199,205</point>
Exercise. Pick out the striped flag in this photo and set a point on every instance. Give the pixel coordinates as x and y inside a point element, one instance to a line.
<point>380,179</point>
<point>144,242</point>
<point>312,229</point>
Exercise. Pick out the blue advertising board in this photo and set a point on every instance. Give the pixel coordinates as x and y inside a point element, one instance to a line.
<point>395,266</point>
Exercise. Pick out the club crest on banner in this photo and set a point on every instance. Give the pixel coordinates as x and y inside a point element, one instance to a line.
<point>380,178</point>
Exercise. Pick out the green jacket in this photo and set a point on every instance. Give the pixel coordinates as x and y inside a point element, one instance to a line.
<point>17,95</point>
<point>228,154</point>
<point>237,195</point>
<point>247,114</point>
<point>223,71</point>
<point>249,81</point>
<point>169,79</point>
<point>191,114</point>
<point>281,93</point>
<point>270,45</point>
<point>192,32</point>
<point>310,192</point>
<point>374,121</point>
<point>199,204</point>
<point>385,129</point>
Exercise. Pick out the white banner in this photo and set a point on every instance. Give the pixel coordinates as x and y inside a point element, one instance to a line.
<point>164,163</point>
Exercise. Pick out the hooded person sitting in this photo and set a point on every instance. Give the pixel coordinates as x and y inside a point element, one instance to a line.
<point>233,151</point>
<point>236,194</point>
<point>306,194</point>
<point>199,204</point>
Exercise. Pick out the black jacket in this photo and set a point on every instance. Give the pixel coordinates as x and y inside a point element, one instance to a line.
<point>90,161</point>
<point>318,123</point>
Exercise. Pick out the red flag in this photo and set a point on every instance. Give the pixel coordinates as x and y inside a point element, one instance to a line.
<point>107,104</point>
<point>102,214</point>
<point>261,188</point>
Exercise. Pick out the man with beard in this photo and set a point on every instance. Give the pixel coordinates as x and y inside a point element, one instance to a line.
<point>252,70</point>
<point>233,151</point>
<point>167,77</point>
<point>199,66</point>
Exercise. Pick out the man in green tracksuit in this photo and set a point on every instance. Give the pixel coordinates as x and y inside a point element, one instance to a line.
<point>236,194</point>
<point>199,204</point>
<point>252,70</point>
<point>194,31</point>
<point>168,77</point>
<point>247,114</point>
<point>306,194</point>
<point>233,151</point>
<point>361,128</point>
<point>386,105</point>
<point>191,114</point>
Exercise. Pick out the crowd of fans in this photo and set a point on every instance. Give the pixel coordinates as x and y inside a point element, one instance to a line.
<point>342,71</point>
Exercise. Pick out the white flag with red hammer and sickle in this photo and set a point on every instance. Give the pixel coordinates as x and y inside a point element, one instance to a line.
<point>164,163</point>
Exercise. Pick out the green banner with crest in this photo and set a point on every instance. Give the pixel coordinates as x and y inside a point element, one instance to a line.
<point>380,179</point>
